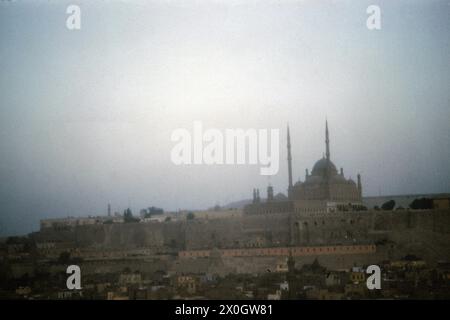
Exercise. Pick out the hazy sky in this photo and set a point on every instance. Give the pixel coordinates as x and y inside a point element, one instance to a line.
<point>86,116</point>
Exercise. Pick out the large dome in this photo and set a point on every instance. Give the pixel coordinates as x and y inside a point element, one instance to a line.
<point>320,168</point>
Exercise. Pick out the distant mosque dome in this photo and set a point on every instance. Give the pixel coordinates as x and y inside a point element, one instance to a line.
<point>324,182</point>
<point>280,197</point>
<point>324,190</point>
<point>322,166</point>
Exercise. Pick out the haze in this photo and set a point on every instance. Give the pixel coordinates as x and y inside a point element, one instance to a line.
<point>87,115</point>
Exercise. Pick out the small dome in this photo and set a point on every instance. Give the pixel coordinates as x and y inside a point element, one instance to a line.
<point>280,197</point>
<point>320,168</point>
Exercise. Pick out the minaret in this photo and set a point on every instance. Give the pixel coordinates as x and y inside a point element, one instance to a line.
<point>289,158</point>
<point>269,193</point>
<point>327,141</point>
<point>359,186</point>
<point>327,154</point>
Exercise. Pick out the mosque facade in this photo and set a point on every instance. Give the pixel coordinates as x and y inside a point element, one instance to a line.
<point>324,190</point>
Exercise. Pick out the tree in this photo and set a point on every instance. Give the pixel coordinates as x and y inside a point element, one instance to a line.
<point>388,205</point>
<point>128,216</point>
<point>422,203</point>
<point>155,210</point>
<point>190,216</point>
<point>147,213</point>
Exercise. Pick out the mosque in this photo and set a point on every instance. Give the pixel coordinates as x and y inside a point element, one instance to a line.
<point>325,190</point>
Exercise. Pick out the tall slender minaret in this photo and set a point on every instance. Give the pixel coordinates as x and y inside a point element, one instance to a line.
<point>327,141</point>
<point>269,193</point>
<point>327,154</point>
<point>289,158</point>
<point>359,187</point>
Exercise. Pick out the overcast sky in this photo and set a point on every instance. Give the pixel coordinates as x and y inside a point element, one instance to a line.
<point>86,116</point>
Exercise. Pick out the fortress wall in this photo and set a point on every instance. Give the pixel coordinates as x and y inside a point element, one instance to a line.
<point>272,229</point>
<point>403,227</point>
<point>123,235</point>
<point>136,235</point>
<point>174,234</point>
<point>336,228</point>
<point>435,220</point>
<point>246,231</point>
<point>425,244</point>
<point>50,235</point>
<point>201,233</point>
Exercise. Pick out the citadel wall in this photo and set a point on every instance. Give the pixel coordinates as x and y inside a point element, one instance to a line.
<point>425,233</point>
